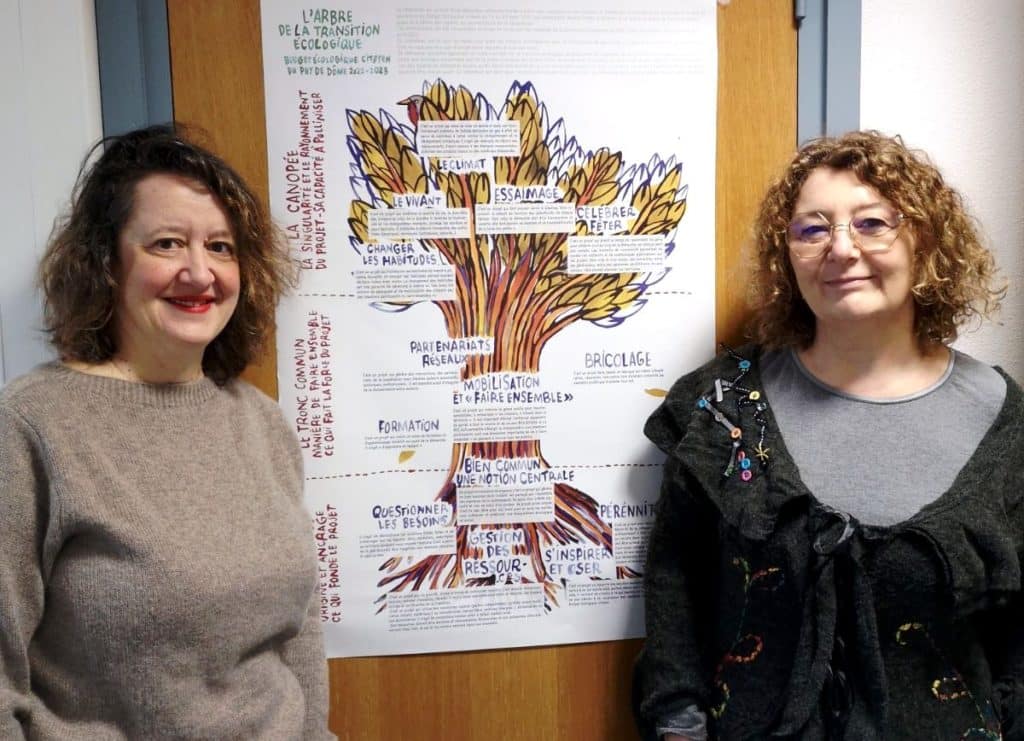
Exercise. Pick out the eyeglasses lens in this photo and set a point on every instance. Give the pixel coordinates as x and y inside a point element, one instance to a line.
<point>810,235</point>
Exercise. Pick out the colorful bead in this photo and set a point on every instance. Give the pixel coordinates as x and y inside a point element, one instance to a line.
<point>949,688</point>
<point>733,394</point>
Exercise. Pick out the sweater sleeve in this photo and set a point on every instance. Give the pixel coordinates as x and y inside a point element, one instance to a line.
<point>672,677</point>
<point>1003,627</point>
<point>23,514</point>
<point>1003,630</point>
<point>304,654</point>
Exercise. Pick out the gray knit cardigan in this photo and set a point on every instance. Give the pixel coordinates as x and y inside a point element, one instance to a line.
<point>783,618</point>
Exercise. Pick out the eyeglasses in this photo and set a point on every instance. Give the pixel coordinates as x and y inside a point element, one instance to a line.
<point>811,235</point>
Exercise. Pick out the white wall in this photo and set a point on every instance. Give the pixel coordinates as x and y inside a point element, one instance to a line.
<point>49,85</point>
<point>948,75</point>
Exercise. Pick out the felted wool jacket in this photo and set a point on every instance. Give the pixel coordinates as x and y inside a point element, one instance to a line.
<point>783,618</point>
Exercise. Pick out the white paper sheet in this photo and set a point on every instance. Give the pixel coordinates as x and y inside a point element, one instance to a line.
<point>468,390</point>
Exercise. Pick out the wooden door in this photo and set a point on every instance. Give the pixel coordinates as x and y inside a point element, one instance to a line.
<point>538,694</point>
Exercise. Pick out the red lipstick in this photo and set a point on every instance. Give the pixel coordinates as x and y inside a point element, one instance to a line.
<point>191,304</point>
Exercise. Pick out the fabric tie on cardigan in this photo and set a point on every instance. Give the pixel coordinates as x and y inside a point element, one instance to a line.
<point>837,666</point>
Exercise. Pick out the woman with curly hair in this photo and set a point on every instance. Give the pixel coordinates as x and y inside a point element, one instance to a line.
<point>837,551</point>
<point>157,578</point>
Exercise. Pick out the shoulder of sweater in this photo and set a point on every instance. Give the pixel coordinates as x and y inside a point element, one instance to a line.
<point>247,395</point>
<point>666,426</point>
<point>246,391</point>
<point>724,364</point>
<point>260,408</point>
<point>1014,392</point>
<point>27,382</point>
<point>26,392</point>
<point>1012,413</point>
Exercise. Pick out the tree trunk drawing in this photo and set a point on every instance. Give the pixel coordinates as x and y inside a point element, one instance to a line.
<point>514,288</point>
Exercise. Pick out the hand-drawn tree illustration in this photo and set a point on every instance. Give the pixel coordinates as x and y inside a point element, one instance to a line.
<point>512,287</point>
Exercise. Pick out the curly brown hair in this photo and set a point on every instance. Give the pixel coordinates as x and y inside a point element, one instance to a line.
<point>954,274</point>
<point>78,270</point>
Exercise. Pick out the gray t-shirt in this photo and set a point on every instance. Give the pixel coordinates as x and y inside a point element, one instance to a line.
<point>881,460</point>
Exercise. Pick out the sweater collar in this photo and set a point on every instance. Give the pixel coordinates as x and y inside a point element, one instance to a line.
<point>705,446</point>
<point>118,391</point>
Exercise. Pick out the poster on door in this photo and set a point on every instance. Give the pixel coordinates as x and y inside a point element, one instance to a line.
<point>504,217</point>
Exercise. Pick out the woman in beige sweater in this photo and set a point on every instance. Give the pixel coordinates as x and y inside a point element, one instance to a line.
<point>157,575</point>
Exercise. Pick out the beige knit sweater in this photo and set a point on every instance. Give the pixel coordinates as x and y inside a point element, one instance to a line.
<point>157,578</point>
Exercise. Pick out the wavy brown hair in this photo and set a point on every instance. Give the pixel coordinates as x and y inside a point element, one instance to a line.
<point>954,274</point>
<point>78,271</point>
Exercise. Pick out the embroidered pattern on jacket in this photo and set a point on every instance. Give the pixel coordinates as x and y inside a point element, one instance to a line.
<point>746,647</point>
<point>952,687</point>
<point>731,395</point>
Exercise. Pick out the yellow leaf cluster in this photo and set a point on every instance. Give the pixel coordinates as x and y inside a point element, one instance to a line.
<point>444,102</point>
<point>549,251</point>
<point>603,305</point>
<point>659,211</point>
<point>457,187</point>
<point>595,181</point>
<point>389,159</point>
<point>552,263</point>
<point>531,167</point>
<point>598,296</point>
<point>366,128</point>
<point>357,220</point>
<point>550,283</point>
